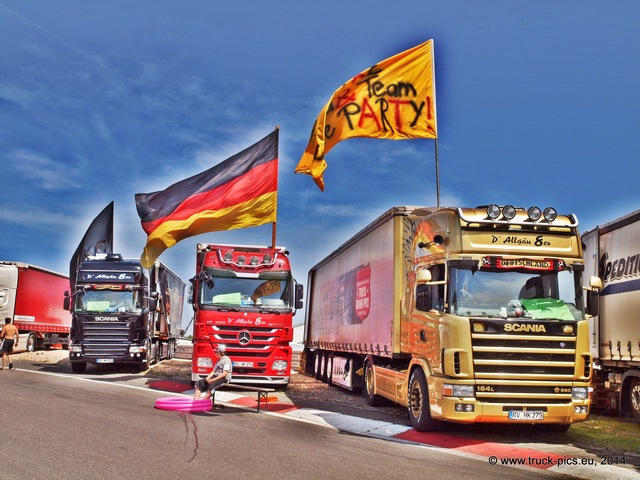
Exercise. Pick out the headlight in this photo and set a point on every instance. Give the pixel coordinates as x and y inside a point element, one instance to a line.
<point>550,214</point>
<point>449,390</point>
<point>509,212</point>
<point>75,348</point>
<point>280,365</point>
<point>137,349</point>
<point>579,393</point>
<point>205,362</point>
<point>534,213</point>
<point>493,211</point>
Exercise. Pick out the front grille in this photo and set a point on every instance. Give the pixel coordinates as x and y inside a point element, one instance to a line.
<point>106,339</point>
<point>524,368</point>
<point>261,344</point>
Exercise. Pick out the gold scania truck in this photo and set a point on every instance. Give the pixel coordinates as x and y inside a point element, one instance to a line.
<point>460,314</point>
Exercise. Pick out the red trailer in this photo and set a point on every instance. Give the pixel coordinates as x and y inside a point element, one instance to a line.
<point>32,297</point>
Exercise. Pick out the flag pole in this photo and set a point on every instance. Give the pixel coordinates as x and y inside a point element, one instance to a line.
<point>273,235</point>
<point>273,225</point>
<point>437,175</point>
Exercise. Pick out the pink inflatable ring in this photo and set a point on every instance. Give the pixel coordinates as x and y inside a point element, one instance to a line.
<point>182,404</point>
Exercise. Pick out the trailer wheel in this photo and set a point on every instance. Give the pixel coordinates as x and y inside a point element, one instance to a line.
<point>32,341</point>
<point>634,398</point>
<point>328,372</point>
<point>418,403</point>
<point>78,367</point>
<point>368,387</point>
<point>318,366</point>
<point>158,352</point>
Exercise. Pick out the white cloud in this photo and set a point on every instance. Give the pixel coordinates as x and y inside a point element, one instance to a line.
<point>47,173</point>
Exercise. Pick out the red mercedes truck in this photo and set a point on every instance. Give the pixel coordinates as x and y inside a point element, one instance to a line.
<point>244,297</point>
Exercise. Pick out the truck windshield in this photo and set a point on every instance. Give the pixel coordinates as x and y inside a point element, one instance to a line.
<point>551,295</point>
<point>108,301</point>
<point>269,291</point>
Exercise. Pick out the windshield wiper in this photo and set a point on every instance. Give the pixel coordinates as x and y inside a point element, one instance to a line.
<point>224,308</point>
<point>262,309</point>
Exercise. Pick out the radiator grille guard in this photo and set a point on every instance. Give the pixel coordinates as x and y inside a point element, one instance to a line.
<point>106,339</point>
<point>524,362</point>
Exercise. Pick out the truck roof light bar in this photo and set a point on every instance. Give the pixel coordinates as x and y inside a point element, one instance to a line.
<point>508,213</point>
<point>241,261</point>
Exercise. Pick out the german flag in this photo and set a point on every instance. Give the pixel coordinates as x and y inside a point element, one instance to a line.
<point>239,192</point>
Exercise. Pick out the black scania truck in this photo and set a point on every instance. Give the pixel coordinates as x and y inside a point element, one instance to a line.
<point>123,313</point>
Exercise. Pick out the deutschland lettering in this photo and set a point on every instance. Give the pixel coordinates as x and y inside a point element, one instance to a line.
<point>537,264</point>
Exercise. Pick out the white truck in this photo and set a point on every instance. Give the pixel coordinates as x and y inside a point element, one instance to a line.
<point>612,252</point>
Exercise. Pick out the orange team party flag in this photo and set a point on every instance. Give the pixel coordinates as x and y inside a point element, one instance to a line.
<point>393,99</point>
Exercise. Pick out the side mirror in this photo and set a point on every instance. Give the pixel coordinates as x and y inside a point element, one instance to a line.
<point>66,303</point>
<point>593,296</point>
<point>299,296</point>
<point>593,302</point>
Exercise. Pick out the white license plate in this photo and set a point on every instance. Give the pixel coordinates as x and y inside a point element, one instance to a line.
<point>526,415</point>
<point>243,364</point>
<point>104,360</point>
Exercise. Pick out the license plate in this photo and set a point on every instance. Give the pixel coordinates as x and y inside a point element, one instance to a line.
<point>526,415</point>
<point>104,360</point>
<point>243,364</point>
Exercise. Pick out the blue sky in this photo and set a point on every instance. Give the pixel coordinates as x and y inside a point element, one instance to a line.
<point>538,104</point>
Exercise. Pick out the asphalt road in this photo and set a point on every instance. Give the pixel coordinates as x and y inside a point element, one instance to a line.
<point>63,426</point>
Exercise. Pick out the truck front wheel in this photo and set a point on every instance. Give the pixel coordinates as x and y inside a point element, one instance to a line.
<point>368,387</point>
<point>634,398</point>
<point>418,403</point>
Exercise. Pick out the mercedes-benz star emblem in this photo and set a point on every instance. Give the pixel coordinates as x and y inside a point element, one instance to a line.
<point>244,337</point>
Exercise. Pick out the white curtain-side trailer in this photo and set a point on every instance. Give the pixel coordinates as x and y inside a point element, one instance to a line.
<point>612,252</point>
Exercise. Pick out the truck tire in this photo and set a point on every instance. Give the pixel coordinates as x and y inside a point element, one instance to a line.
<point>418,403</point>
<point>368,387</point>
<point>157,353</point>
<point>318,366</point>
<point>634,398</point>
<point>329,369</point>
<point>32,341</point>
<point>78,367</point>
